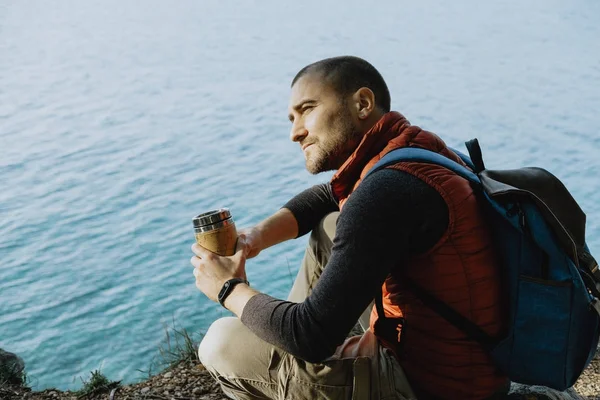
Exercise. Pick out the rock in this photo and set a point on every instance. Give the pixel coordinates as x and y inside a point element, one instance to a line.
<point>168,375</point>
<point>525,392</point>
<point>11,363</point>
<point>198,391</point>
<point>145,390</point>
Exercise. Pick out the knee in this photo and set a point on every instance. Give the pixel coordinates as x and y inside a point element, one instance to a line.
<point>215,345</point>
<point>324,233</point>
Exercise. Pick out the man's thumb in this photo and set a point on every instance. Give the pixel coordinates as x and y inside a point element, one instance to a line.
<point>242,249</point>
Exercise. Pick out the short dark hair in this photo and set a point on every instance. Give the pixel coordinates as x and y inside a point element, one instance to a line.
<point>347,74</point>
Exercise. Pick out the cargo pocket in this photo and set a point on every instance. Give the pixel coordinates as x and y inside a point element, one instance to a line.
<point>393,382</point>
<point>330,380</point>
<point>361,387</point>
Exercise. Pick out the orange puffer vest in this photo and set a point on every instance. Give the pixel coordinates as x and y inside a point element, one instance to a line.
<point>461,270</point>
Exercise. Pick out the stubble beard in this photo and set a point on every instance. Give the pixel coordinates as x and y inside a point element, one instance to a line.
<point>329,155</point>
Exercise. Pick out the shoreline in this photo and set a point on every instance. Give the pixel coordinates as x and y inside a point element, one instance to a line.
<point>189,380</point>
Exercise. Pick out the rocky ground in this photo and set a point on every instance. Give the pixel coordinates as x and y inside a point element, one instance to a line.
<point>588,384</point>
<point>190,381</point>
<point>185,381</point>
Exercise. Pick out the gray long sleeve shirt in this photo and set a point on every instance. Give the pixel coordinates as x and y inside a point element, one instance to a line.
<point>391,215</point>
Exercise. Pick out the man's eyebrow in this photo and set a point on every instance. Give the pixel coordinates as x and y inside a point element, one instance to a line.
<point>301,104</point>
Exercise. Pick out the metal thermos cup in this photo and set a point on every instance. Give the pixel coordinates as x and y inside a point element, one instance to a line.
<point>215,230</point>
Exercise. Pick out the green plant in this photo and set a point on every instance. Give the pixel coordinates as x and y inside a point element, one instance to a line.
<point>179,346</point>
<point>290,271</point>
<point>98,383</point>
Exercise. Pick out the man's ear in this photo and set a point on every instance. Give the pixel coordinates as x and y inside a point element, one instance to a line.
<point>364,101</point>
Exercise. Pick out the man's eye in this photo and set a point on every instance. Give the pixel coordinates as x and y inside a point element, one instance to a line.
<point>306,108</point>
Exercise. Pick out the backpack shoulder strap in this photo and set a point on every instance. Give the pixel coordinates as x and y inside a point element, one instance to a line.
<point>472,330</point>
<point>413,154</point>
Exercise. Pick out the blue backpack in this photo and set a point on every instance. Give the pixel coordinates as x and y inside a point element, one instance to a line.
<point>551,279</point>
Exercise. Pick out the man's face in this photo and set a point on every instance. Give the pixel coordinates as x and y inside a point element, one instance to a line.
<point>322,123</point>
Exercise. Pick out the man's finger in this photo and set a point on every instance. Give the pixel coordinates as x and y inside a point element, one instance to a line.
<point>195,261</point>
<point>241,247</point>
<point>200,251</point>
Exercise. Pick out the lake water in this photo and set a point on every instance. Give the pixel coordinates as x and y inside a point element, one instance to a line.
<point>120,121</point>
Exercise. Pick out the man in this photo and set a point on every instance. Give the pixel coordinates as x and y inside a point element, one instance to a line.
<point>412,220</point>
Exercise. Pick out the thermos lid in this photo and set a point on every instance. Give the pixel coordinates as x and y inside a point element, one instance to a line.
<point>211,217</point>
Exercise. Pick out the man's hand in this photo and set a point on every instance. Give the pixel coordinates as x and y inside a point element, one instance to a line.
<point>212,271</point>
<point>277,228</point>
<point>253,239</point>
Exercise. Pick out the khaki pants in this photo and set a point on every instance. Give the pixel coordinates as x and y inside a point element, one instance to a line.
<point>249,368</point>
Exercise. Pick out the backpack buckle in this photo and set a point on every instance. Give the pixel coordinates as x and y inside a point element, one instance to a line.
<point>596,305</point>
<point>389,329</point>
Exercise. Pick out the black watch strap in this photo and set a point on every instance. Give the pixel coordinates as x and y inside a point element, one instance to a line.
<point>228,288</point>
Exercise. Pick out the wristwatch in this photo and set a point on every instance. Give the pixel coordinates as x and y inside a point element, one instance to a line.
<point>228,288</point>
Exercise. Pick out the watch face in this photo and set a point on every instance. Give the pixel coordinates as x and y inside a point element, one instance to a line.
<point>228,287</point>
<point>224,290</point>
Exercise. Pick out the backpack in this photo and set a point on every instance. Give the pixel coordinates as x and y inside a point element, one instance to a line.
<point>551,280</point>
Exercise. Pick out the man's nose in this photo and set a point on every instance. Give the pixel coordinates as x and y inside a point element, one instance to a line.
<point>298,132</point>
